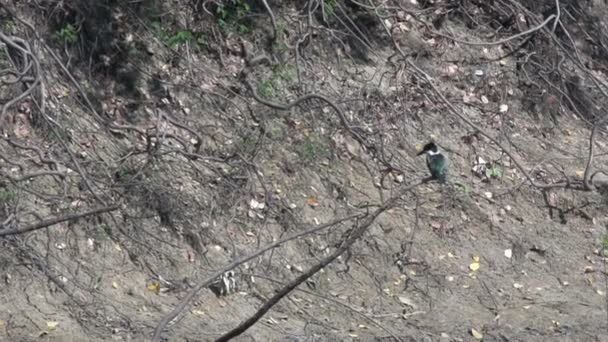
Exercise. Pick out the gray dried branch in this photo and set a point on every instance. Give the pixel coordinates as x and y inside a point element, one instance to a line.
<point>345,245</point>
<point>27,71</point>
<point>53,221</point>
<point>204,283</point>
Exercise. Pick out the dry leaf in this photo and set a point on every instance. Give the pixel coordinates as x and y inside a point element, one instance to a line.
<point>407,301</point>
<point>189,256</point>
<point>476,334</point>
<point>154,287</point>
<point>114,284</point>
<point>51,325</point>
<point>476,258</point>
<point>312,201</point>
<point>474,266</point>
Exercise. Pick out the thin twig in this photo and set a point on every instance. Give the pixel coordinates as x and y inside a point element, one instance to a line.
<point>272,19</point>
<point>502,41</point>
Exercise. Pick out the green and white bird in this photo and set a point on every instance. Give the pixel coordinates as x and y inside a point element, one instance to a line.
<point>436,162</point>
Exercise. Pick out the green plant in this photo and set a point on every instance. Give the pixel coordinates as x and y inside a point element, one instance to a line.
<point>180,38</point>
<point>313,148</point>
<point>67,34</point>
<point>266,89</point>
<point>3,58</point>
<point>494,172</point>
<point>104,232</point>
<point>8,26</point>
<point>7,195</point>
<point>285,72</point>
<point>275,132</point>
<point>279,46</point>
<point>247,144</point>
<point>604,243</point>
<point>270,87</point>
<point>330,6</point>
<point>229,14</point>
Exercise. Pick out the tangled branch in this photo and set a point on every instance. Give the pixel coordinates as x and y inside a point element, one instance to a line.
<point>353,237</point>
<point>26,71</point>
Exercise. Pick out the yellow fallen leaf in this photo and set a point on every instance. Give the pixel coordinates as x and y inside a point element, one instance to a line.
<point>154,287</point>
<point>474,266</point>
<point>476,258</point>
<point>418,147</point>
<point>580,173</point>
<point>476,334</point>
<point>114,284</point>
<point>51,325</point>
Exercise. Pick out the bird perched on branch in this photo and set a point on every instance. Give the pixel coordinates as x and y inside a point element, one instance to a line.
<point>436,162</point>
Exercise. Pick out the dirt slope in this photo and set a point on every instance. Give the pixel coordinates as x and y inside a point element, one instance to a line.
<point>191,128</point>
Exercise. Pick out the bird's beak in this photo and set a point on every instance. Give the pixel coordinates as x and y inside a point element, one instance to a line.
<point>419,153</point>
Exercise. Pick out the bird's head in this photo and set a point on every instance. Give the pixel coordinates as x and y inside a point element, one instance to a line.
<point>429,148</point>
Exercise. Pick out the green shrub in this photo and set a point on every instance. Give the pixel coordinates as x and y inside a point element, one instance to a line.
<point>313,148</point>
<point>67,34</point>
<point>180,38</point>
<point>229,14</point>
<point>7,195</point>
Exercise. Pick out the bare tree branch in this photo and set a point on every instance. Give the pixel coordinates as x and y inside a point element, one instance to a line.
<point>204,283</point>
<point>54,221</point>
<point>355,235</point>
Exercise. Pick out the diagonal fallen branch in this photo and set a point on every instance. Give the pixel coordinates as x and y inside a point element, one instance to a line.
<point>54,221</point>
<point>355,235</point>
<point>190,296</point>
